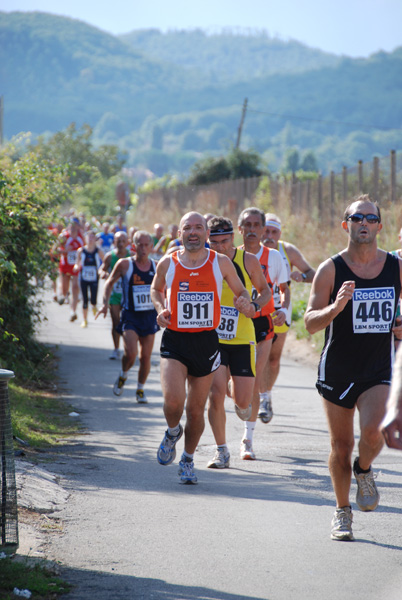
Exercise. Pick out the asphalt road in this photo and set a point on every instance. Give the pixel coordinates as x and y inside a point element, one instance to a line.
<point>259,530</point>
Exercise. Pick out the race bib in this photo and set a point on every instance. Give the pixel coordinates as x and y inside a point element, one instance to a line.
<point>195,309</point>
<point>142,297</point>
<point>89,273</point>
<point>373,310</point>
<point>227,329</point>
<point>72,257</point>
<point>118,288</point>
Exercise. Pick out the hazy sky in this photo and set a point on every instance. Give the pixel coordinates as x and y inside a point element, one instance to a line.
<point>350,27</point>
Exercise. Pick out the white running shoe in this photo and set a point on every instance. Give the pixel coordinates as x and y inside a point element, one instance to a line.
<point>246,450</point>
<point>221,460</point>
<point>114,355</point>
<point>141,397</point>
<point>367,496</point>
<point>341,525</point>
<point>265,412</point>
<point>119,385</point>
<point>186,472</point>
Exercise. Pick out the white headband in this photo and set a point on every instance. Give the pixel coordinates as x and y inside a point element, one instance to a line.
<point>273,224</point>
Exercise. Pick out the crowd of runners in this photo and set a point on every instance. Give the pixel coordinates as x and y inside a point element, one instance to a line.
<point>225,311</point>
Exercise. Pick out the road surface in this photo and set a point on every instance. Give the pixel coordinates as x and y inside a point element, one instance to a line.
<point>259,530</point>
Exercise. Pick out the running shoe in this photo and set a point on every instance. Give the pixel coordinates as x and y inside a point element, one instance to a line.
<point>167,450</point>
<point>367,496</point>
<point>73,317</point>
<point>341,525</point>
<point>186,472</point>
<point>141,397</point>
<point>221,460</point>
<point>94,310</point>
<point>61,300</point>
<point>114,355</point>
<point>265,413</point>
<point>246,450</point>
<point>84,324</point>
<point>243,413</point>
<point>119,385</point>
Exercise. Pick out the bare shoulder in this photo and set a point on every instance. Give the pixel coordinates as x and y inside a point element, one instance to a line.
<point>251,262</point>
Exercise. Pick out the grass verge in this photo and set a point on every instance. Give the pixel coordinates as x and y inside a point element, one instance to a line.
<point>38,578</point>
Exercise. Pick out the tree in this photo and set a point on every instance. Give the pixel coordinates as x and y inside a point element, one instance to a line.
<point>292,161</point>
<point>237,164</point>
<point>309,162</point>
<point>74,147</point>
<point>31,190</point>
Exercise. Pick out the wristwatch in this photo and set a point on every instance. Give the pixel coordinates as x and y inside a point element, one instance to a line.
<point>304,276</point>
<point>256,306</point>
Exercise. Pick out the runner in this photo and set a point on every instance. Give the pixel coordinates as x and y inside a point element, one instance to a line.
<point>292,257</point>
<point>354,298</point>
<point>111,258</point>
<point>89,260</point>
<point>237,343</point>
<point>105,238</point>
<point>138,317</point>
<point>190,346</point>
<point>251,225</point>
<point>68,257</point>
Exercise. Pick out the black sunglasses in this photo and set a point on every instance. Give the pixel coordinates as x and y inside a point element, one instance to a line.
<point>359,217</point>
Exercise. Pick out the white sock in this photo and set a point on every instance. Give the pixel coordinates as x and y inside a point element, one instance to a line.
<point>249,427</point>
<point>187,457</point>
<point>173,431</point>
<point>140,386</point>
<point>224,447</point>
<point>265,395</point>
<point>123,374</point>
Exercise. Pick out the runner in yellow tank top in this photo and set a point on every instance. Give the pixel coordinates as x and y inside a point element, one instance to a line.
<point>237,340</point>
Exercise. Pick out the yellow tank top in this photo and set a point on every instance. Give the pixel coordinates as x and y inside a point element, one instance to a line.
<point>234,327</point>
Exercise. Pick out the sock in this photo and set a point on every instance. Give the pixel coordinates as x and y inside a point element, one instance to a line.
<point>358,468</point>
<point>123,374</point>
<point>249,427</point>
<point>187,457</point>
<point>223,447</point>
<point>265,395</point>
<point>173,431</point>
<point>140,386</point>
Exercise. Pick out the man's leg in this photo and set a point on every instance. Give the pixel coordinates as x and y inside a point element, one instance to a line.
<point>115,315</point>
<point>145,353</point>
<point>130,343</point>
<point>216,405</point>
<point>271,371</point>
<point>371,406</point>
<point>198,388</point>
<point>173,381</point>
<point>340,424</point>
<point>75,290</point>
<point>263,350</point>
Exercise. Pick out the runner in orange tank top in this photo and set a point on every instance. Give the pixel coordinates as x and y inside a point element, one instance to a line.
<point>192,277</point>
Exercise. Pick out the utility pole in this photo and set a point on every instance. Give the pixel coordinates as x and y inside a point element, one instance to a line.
<point>243,116</point>
<point>1,120</point>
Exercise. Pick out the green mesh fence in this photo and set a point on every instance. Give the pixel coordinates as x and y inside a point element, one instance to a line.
<point>8,493</point>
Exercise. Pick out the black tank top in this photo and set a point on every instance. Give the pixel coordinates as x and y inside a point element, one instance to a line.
<point>359,342</point>
<point>137,288</point>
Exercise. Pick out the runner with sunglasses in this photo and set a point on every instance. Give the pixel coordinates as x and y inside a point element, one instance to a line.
<point>354,297</point>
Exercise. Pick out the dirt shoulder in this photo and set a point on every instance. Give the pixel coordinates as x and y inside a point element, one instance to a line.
<point>301,351</point>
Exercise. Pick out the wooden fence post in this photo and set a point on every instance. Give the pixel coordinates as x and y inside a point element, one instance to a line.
<point>392,182</point>
<point>376,177</point>
<point>360,177</point>
<point>319,199</point>
<point>345,185</point>
<point>332,197</point>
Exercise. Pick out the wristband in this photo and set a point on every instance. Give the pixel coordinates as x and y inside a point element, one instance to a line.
<point>304,276</point>
<point>256,306</point>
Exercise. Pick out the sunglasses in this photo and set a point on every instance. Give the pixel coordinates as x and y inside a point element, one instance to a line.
<point>359,217</point>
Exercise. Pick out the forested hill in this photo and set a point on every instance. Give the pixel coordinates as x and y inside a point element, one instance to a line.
<point>167,110</point>
<point>230,55</point>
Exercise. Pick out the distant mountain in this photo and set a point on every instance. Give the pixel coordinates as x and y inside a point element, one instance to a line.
<point>170,98</point>
<point>228,56</point>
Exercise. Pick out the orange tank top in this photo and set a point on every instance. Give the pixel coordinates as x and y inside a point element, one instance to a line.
<point>193,294</point>
<point>263,257</point>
